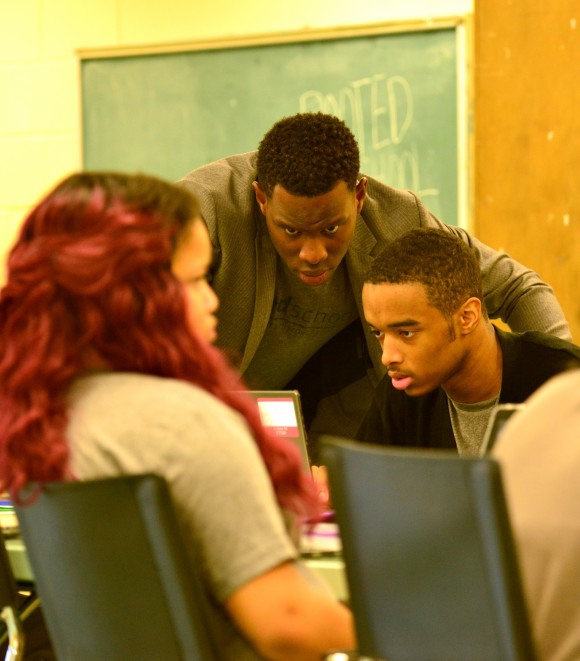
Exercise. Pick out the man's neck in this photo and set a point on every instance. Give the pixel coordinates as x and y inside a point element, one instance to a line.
<point>480,374</point>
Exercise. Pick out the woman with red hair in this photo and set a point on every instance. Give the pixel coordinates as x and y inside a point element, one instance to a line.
<point>106,368</point>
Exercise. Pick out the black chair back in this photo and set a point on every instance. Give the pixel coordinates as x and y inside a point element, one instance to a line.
<point>430,560</point>
<point>113,574</point>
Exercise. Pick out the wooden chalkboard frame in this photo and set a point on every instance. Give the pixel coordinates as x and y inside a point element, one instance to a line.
<point>460,25</point>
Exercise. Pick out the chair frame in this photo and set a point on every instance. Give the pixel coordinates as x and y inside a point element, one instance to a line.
<point>14,610</point>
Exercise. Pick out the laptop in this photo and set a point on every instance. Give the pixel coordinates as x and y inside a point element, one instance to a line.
<point>281,412</point>
<point>499,416</point>
<point>8,520</point>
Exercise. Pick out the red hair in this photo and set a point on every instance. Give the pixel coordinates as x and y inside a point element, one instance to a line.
<point>91,271</point>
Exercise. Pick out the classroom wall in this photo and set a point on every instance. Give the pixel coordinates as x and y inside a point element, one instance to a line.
<point>39,80</point>
<point>527,138</point>
<point>526,198</point>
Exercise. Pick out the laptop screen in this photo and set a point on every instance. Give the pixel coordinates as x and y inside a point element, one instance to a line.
<point>499,416</point>
<point>281,412</point>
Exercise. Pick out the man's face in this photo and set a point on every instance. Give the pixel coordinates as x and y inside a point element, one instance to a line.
<point>421,350</point>
<point>312,234</point>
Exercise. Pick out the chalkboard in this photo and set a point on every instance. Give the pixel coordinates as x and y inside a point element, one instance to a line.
<point>400,92</point>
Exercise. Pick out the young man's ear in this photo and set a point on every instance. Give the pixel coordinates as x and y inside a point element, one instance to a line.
<point>470,315</point>
<point>261,197</point>
<point>360,193</point>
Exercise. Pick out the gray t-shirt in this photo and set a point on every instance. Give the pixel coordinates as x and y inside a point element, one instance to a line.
<point>469,422</point>
<point>124,423</point>
<point>302,320</point>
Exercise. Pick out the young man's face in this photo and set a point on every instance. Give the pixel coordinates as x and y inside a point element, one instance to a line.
<point>312,234</point>
<point>420,349</point>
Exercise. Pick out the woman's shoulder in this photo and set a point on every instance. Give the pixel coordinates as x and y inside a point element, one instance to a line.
<point>134,385</point>
<point>154,399</point>
<point>145,422</point>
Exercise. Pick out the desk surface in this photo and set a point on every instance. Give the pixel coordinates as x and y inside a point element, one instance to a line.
<point>19,559</point>
<point>329,568</point>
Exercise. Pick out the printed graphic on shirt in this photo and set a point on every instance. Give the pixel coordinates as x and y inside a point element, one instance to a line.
<point>303,319</point>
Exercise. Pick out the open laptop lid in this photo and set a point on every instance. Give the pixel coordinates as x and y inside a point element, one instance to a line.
<point>281,411</point>
<point>499,416</point>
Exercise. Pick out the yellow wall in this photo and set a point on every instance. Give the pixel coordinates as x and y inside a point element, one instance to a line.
<point>526,139</point>
<point>525,106</point>
<point>39,80</point>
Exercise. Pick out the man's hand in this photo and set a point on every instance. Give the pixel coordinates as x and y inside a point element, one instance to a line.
<point>320,477</point>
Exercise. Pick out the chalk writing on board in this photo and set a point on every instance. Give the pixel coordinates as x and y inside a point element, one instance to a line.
<point>384,104</point>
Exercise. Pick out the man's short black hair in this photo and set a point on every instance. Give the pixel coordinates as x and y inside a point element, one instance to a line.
<point>308,154</point>
<point>439,260</point>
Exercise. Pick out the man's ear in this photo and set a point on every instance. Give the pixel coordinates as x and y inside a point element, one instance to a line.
<point>470,315</point>
<point>361,193</point>
<point>261,197</point>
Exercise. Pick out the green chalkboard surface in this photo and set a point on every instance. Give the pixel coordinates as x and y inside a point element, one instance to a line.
<point>167,113</point>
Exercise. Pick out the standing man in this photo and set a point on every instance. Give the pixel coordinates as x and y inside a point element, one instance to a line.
<point>294,228</point>
<point>447,365</point>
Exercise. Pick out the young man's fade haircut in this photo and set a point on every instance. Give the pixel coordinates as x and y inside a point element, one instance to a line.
<point>308,154</point>
<point>441,262</point>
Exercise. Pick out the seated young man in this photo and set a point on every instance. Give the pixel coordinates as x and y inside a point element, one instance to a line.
<point>447,365</point>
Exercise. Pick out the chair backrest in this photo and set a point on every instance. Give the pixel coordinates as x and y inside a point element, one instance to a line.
<point>112,572</point>
<point>430,559</point>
